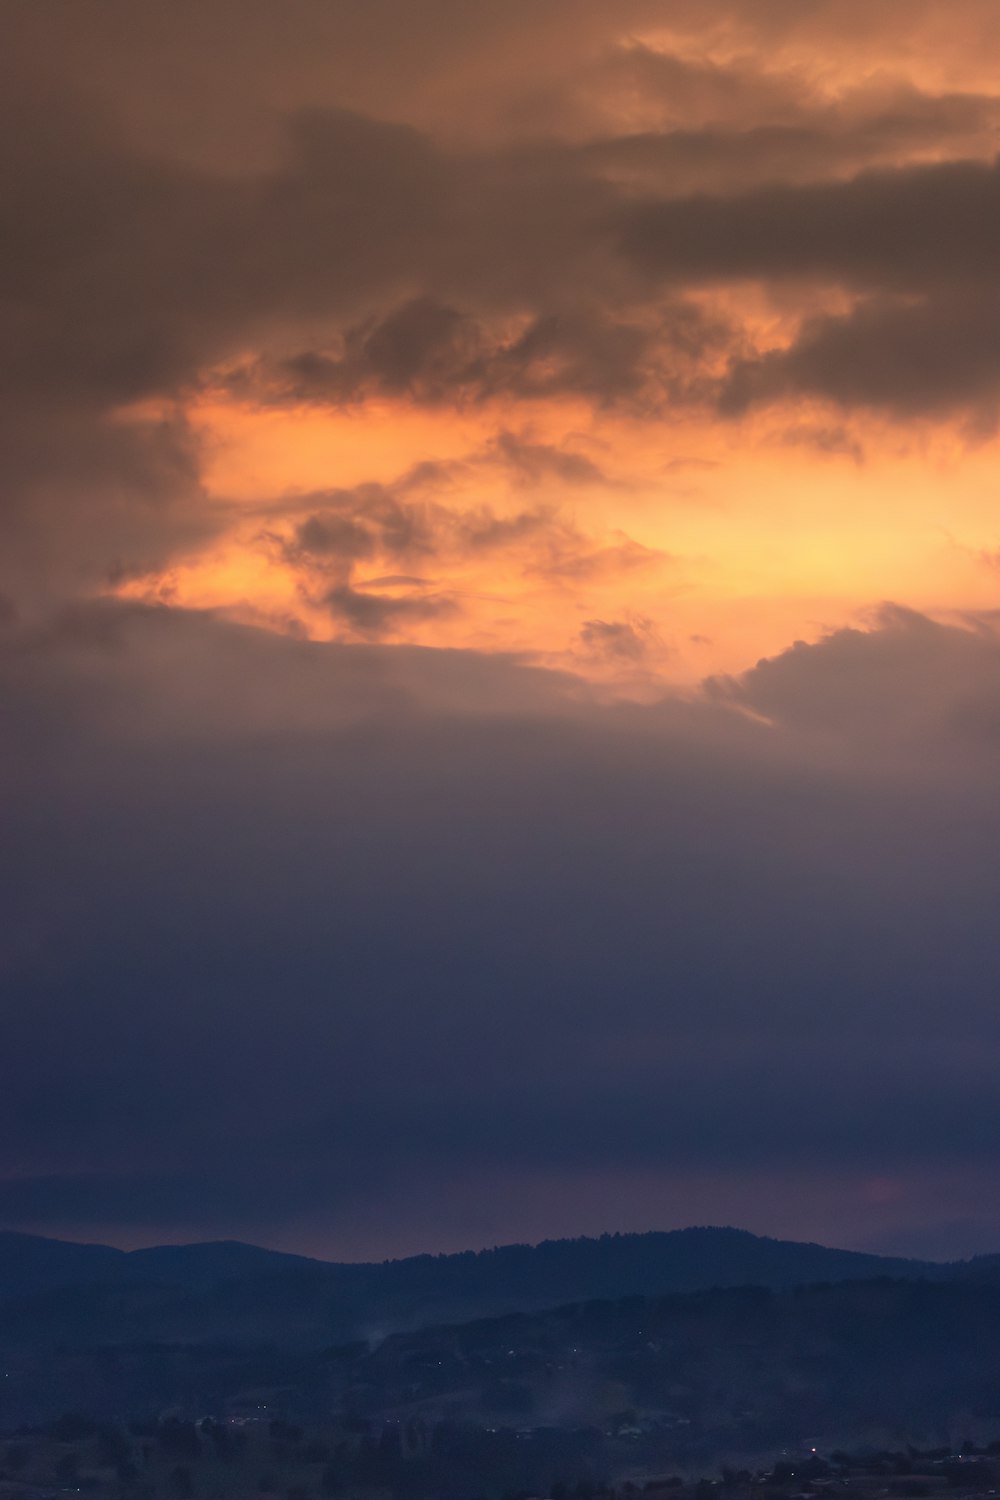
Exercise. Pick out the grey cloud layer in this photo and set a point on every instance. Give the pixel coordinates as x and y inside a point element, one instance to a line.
<point>438,905</point>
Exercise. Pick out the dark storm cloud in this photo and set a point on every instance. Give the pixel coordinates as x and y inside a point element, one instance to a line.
<point>436,354</point>
<point>907,229</point>
<point>907,357</point>
<point>124,276</point>
<point>422,346</point>
<point>920,244</point>
<point>442,914</point>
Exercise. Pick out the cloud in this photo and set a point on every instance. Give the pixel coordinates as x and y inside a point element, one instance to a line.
<point>420,348</point>
<point>373,615</point>
<point>911,687</point>
<point>438,906</point>
<point>900,355</point>
<point>433,353</point>
<point>618,640</point>
<point>786,136</point>
<point>444,905</point>
<point>572,558</point>
<point>870,232</point>
<point>414,521</point>
<point>533,462</point>
<point>307,229</point>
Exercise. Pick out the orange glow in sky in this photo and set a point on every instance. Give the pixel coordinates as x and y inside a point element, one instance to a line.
<point>597,505</point>
<point>714,543</point>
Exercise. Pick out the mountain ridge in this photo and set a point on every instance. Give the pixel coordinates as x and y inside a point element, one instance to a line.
<point>54,1253</point>
<point>348,1298</point>
<point>204,1322</point>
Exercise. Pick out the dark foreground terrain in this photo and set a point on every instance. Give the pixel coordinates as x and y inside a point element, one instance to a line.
<point>683,1377</point>
<point>260,1352</point>
<point>171,1459</point>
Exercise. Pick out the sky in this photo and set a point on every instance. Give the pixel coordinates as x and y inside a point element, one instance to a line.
<point>499,621</point>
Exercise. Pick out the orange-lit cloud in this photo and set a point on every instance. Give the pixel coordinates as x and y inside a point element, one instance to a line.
<point>694,325</point>
<point>446,528</point>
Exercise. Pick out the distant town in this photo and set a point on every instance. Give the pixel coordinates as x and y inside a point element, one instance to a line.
<point>251,1455</point>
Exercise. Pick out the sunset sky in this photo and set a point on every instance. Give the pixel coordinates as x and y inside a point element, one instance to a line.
<point>500,620</point>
